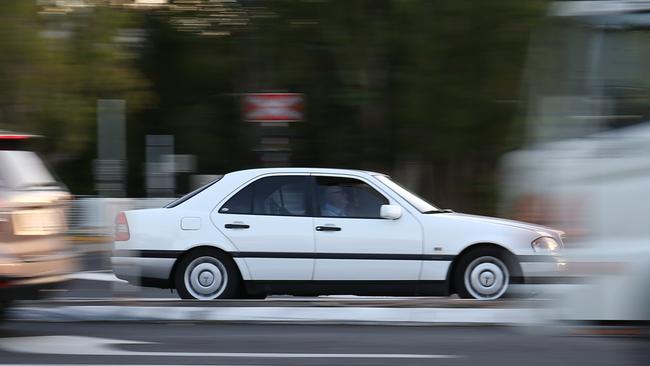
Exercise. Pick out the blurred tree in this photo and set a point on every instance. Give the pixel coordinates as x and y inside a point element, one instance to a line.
<point>460,81</point>
<point>54,65</point>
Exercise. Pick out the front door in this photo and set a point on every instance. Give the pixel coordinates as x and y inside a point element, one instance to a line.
<point>353,243</point>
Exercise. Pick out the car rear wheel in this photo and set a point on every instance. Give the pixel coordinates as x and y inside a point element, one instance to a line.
<point>206,275</point>
<point>482,274</point>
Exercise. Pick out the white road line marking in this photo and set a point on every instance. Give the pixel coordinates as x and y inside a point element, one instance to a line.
<point>92,346</point>
<point>95,276</point>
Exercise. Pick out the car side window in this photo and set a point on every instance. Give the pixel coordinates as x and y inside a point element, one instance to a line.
<point>276,196</point>
<point>240,203</point>
<point>347,197</point>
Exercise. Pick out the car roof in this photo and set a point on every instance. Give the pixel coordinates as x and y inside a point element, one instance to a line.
<point>261,171</point>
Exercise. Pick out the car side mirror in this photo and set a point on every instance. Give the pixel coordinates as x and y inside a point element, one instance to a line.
<point>391,212</point>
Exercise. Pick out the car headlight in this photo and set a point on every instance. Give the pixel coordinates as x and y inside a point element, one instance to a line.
<point>545,244</point>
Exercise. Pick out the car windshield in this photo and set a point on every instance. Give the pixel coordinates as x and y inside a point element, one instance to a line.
<point>24,169</point>
<point>415,201</point>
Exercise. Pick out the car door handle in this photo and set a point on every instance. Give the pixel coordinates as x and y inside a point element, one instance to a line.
<point>328,228</point>
<point>236,226</point>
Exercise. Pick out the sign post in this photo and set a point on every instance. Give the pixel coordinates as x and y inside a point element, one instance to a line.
<point>273,107</point>
<point>110,166</point>
<point>274,112</point>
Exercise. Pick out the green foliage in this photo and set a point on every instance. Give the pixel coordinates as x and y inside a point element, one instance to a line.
<point>53,68</point>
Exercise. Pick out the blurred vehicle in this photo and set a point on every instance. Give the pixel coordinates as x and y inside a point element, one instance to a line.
<point>586,166</point>
<point>324,231</point>
<point>33,252</point>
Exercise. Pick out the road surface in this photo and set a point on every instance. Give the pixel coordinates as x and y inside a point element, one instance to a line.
<point>241,344</point>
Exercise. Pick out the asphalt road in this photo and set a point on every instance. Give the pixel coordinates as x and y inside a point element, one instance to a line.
<point>241,344</point>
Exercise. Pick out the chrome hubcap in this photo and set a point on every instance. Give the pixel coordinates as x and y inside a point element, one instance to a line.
<point>486,278</point>
<point>205,278</point>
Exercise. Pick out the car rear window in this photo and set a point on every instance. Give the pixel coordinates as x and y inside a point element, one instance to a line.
<point>186,197</point>
<point>24,170</point>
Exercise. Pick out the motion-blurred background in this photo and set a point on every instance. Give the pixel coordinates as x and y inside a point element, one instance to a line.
<point>427,91</point>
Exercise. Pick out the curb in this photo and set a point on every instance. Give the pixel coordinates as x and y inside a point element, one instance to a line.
<point>280,302</point>
<point>295,315</point>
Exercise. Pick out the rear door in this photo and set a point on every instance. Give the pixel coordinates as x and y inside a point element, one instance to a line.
<point>269,221</point>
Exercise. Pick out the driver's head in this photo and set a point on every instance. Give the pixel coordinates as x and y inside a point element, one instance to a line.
<point>335,195</point>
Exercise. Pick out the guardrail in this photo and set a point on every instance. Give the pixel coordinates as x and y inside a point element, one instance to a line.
<point>91,216</point>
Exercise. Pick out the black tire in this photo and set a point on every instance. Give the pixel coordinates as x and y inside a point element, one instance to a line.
<point>201,275</point>
<point>483,274</point>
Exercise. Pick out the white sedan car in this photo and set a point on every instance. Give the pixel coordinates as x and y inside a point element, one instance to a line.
<point>308,231</point>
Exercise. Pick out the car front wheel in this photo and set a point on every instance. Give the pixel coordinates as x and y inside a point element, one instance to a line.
<point>482,274</point>
<point>206,275</point>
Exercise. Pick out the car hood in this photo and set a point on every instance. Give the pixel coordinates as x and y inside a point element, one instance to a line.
<point>512,223</point>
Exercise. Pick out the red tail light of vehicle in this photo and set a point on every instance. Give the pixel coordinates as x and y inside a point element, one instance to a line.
<point>121,227</point>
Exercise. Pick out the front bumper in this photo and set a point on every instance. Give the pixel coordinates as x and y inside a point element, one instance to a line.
<point>545,269</point>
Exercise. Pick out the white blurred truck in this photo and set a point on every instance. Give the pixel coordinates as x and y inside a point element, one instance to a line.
<point>585,167</point>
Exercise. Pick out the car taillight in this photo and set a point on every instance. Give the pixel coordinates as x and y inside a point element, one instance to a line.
<point>121,227</point>
<point>15,136</point>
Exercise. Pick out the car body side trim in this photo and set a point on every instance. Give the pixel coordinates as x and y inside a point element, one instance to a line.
<point>368,256</point>
<point>148,253</point>
<point>294,255</point>
<point>310,255</point>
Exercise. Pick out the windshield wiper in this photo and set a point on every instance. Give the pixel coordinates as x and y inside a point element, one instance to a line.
<point>445,210</point>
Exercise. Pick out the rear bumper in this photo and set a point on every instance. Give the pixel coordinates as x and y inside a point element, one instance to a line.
<point>148,272</point>
<point>40,267</point>
<point>24,277</point>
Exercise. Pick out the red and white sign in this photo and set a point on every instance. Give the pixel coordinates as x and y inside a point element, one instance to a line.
<point>274,107</point>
